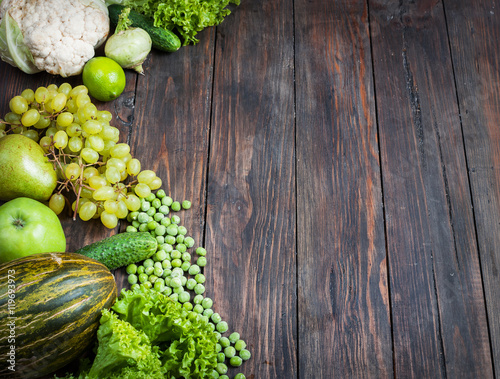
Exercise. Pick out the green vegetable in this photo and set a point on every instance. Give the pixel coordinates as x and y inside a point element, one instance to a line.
<point>186,18</point>
<point>128,46</point>
<point>161,38</point>
<point>121,249</point>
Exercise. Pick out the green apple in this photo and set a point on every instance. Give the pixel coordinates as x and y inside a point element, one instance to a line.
<point>24,169</point>
<point>29,227</point>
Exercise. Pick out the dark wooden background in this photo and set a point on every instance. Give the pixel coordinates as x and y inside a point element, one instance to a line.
<point>343,162</point>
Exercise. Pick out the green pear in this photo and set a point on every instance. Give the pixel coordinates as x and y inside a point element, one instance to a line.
<point>25,171</point>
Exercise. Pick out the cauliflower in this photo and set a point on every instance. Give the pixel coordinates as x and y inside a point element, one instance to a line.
<point>57,36</point>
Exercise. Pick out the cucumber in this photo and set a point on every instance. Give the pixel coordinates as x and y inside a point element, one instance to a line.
<point>162,39</point>
<point>121,249</point>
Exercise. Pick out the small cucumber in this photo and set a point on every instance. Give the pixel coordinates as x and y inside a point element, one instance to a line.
<point>162,39</point>
<point>121,249</point>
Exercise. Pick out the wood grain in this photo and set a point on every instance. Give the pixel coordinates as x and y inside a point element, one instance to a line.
<point>344,315</point>
<point>474,28</point>
<point>439,324</point>
<point>251,186</point>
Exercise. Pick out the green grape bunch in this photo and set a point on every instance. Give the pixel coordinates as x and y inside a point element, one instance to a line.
<point>98,177</point>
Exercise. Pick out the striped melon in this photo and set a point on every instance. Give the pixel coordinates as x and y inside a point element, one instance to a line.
<point>50,305</point>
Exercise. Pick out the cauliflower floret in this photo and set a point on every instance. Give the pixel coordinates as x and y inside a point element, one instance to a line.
<point>61,34</point>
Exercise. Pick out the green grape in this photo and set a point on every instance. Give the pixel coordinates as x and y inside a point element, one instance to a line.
<point>73,94</point>
<point>89,155</point>
<point>45,142</point>
<point>122,210</point>
<point>133,166</point>
<point>60,139</point>
<point>12,118</point>
<point>32,134</point>
<point>92,127</point>
<point>105,116</point>
<point>71,105</point>
<point>104,193</point>
<point>89,172</point>
<point>120,150</point>
<point>82,99</point>
<point>155,184</point>
<point>65,88</point>
<point>87,210</point>
<point>112,174</point>
<point>97,182</point>
<point>107,146</point>
<point>117,163</point>
<point>72,171</point>
<point>51,131</point>
<point>64,119</point>
<point>142,190</point>
<point>29,95</point>
<point>58,102</point>
<point>146,176</point>
<point>90,111</point>
<point>52,87</point>
<point>110,206</point>
<point>75,144</point>
<point>74,130</point>
<point>41,94</point>
<point>109,220</point>
<point>96,143</point>
<point>132,202</point>
<point>30,117</point>
<point>18,104</point>
<point>56,203</point>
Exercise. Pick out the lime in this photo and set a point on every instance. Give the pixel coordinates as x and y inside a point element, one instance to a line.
<point>104,78</point>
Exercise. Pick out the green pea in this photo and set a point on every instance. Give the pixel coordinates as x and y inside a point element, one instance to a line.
<point>160,239</point>
<point>240,376</point>
<point>159,286</point>
<point>143,228</point>
<point>165,210</point>
<point>180,238</point>
<point>148,263</point>
<point>176,262</point>
<point>198,308</point>
<point>224,342</point>
<point>207,303</point>
<point>150,197</point>
<point>189,241</point>
<point>130,229</point>
<point>172,230</point>
<point>149,270</point>
<point>145,206</point>
<point>188,306</point>
<point>131,268</point>
<point>221,357</point>
<point>208,312</point>
<point>152,225</point>
<point>201,261</point>
<point>198,299</point>
<point>221,368</point>
<point>175,219</point>
<point>160,255</point>
<point>160,230</point>
<point>143,278</point>
<point>235,361</point>
<point>170,239</point>
<point>156,203</point>
<point>136,224</point>
<point>229,352</point>
<point>140,269</point>
<point>160,194</point>
<point>176,206</point>
<point>147,284</point>
<point>186,204</point>
<point>200,278</point>
<point>165,264</point>
<point>216,318</point>
<point>132,279</point>
<point>158,216</point>
<point>174,296</point>
<point>199,289</point>
<point>245,354</point>
<point>165,221</point>
<point>176,254</point>
<point>222,327</point>
<point>175,282</point>
<point>186,257</point>
<point>152,278</point>
<point>240,345</point>
<point>214,374</point>
<point>201,251</point>
<point>133,215</point>
<point>233,337</point>
<point>168,290</point>
<point>135,286</point>
<point>224,377</point>
<point>167,200</point>
<point>184,297</point>
<point>158,271</point>
<point>194,270</point>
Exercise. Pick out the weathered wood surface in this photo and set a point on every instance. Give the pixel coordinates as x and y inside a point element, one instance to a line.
<point>342,158</point>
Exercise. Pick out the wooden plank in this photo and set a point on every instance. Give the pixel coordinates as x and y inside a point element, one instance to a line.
<point>169,130</point>
<point>344,316</point>
<point>474,28</point>
<point>439,322</point>
<point>250,235</point>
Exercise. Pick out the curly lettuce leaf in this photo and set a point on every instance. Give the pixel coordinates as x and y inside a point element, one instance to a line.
<point>186,17</point>
<point>187,344</point>
<point>13,50</point>
<point>123,351</point>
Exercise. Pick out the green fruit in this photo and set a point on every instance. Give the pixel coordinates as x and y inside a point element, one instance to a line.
<point>50,307</point>
<point>29,227</point>
<point>24,169</point>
